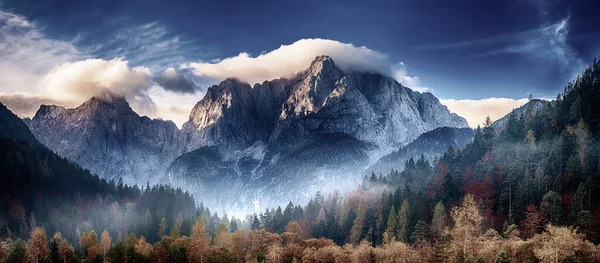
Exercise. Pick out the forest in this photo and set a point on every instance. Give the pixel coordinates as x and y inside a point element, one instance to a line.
<point>527,192</point>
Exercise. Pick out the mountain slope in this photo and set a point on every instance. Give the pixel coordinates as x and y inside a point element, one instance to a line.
<point>107,137</point>
<point>533,105</point>
<point>11,127</point>
<point>431,145</point>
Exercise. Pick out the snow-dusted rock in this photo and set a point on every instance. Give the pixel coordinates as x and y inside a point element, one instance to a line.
<point>107,137</point>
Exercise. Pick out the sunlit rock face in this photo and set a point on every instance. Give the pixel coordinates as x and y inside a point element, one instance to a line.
<point>107,137</point>
<point>247,147</point>
<point>286,139</point>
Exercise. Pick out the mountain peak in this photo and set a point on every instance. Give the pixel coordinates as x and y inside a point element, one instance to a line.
<point>109,97</point>
<point>322,63</point>
<point>107,100</point>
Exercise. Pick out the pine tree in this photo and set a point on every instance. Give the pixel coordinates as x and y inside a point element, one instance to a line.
<point>175,232</point>
<point>54,244</point>
<point>402,221</point>
<point>358,226</point>
<point>439,220</point>
<point>255,223</point>
<point>162,230</point>
<point>390,230</point>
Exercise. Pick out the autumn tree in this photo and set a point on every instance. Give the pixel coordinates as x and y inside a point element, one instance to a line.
<point>467,223</point>
<point>142,248</point>
<point>162,229</point>
<point>221,236</point>
<point>437,189</point>
<point>402,221</point>
<point>237,244</point>
<point>198,247</point>
<point>89,244</point>
<point>37,248</point>
<point>65,251</point>
<point>4,250</point>
<point>259,241</point>
<point>358,225</point>
<point>105,244</point>
<point>293,233</point>
<point>532,222</point>
<point>557,243</point>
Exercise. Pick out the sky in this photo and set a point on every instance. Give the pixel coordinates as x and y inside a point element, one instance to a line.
<point>478,57</point>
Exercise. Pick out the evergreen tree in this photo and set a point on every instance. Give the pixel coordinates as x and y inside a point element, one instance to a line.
<point>402,221</point>
<point>390,231</point>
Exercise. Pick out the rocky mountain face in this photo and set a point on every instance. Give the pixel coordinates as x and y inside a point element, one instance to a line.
<point>323,99</point>
<point>289,138</point>
<point>249,146</point>
<point>107,137</point>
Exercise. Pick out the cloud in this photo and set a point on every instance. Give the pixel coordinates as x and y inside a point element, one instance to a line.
<point>288,60</point>
<point>25,54</point>
<point>25,104</point>
<point>546,45</point>
<point>76,82</point>
<point>36,69</point>
<point>151,44</point>
<point>475,111</point>
<point>176,82</point>
<point>174,106</point>
<point>399,73</point>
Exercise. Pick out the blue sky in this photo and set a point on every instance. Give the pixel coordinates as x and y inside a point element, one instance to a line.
<point>461,51</point>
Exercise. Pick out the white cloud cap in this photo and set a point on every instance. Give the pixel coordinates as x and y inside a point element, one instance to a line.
<point>288,60</point>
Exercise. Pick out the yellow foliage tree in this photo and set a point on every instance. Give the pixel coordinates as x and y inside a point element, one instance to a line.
<point>199,242</point>
<point>37,247</point>
<point>467,225</point>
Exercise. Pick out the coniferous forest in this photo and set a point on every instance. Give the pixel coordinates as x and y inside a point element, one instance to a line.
<point>525,192</point>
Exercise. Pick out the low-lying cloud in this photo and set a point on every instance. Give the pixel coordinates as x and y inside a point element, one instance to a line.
<point>476,111</point>
<point>25,104</point>
<point>288,60</point>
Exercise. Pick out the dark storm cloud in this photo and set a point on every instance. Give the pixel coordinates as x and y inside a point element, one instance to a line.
<point>174,81</point>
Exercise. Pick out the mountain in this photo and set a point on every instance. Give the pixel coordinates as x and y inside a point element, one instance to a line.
<point>40,188</point>
<point>107,137</point>
<point>243,141</point>
<point>534,105</point>
<point>284,139</point>
<point>431,145</point>
<point>11,127</point>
